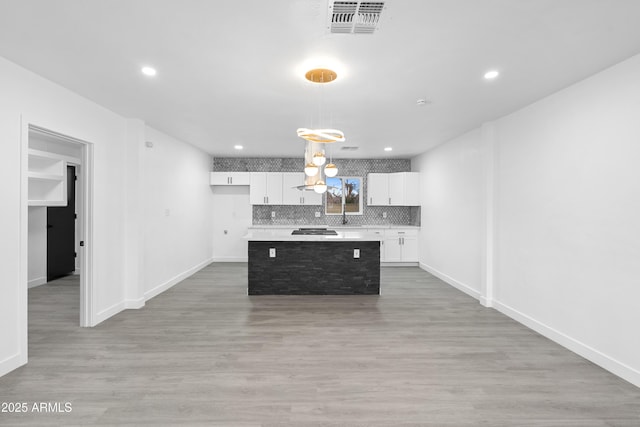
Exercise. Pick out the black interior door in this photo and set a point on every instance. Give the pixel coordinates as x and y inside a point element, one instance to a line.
<point>61,227</point>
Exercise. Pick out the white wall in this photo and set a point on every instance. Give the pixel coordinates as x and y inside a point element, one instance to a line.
<point>568,216</point>
<point>453,206</point>
<point>177,209</point>
<point>564,241</point>
<point>43,103</point>
<point>37,241</point>
<point>232,217</point>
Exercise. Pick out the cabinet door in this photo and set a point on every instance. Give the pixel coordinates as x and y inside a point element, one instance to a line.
<point>412,189</point>
<point>258,188</point>
<point>290,194</point>
<point>219,178</point>
<point>409,248</point>
<point>396,188</point>
<point>378,189</point>
<point>311,198</point>
<point>274,188</point>
<point>392,248</point>
<point>239,178</point>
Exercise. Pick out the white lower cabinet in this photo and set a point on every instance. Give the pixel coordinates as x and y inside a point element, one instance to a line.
<point>401,245</point>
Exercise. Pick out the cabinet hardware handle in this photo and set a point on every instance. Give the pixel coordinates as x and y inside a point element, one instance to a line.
<point>370,200</point>
<point>389,200</point>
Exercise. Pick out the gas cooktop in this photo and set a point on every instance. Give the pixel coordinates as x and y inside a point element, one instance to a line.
<point>315,232</point>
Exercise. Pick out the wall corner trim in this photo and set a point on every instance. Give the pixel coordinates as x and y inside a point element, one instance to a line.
<point>486,302</point>
<point>451,281</point>
<point>608,363</point>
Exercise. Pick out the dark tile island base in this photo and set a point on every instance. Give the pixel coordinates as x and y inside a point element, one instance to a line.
<point>314,268</point>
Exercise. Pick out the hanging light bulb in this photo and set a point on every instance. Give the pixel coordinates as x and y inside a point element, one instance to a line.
<point>310,169</point>
<point>320,187</point>
<point>319,158</point>
<point>331,170</point>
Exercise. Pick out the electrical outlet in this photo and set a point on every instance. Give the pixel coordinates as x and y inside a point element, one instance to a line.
<point>273,214</point>
<point>272,252</point>
<point>356,253</point>
<point>317,214</point>
<point>384,215</point>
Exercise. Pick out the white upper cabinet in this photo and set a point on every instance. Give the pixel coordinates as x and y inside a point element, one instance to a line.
<point>265,188</point>
<point>393,189</point>
<point>378,189</point>
<point>230,178</point>
<point>404,189</point>
<point>291,195</point>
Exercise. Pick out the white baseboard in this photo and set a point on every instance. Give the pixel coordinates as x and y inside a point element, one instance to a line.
<point>176,279</point>
<point>138,303</point>
<point>134,303</point>
<point>398,264</point>
<point>230,259</point>
<point>37,282</point>
<point>12,362</point>
<point>108,312</point>
<point>614,366</point>
<point>450,280</point>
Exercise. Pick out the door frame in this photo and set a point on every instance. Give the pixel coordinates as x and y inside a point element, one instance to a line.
<point>84,194</point>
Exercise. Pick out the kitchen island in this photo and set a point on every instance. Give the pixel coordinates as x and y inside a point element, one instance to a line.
<point>315,263</point>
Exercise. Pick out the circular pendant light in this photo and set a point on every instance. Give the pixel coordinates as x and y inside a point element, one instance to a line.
<point>320,187</point>
<point>319,159</point>
<point>311,170</point>
<point>330,170</point>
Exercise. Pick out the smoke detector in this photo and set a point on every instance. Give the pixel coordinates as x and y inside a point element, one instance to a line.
<point>354,17</point>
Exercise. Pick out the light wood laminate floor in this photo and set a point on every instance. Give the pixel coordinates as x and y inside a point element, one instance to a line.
<point>204,353</point>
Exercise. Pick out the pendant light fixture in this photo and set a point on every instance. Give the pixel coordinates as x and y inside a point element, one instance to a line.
<point>315,156</point>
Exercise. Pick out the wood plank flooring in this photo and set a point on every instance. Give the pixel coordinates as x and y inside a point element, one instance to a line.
<point>204,353</point>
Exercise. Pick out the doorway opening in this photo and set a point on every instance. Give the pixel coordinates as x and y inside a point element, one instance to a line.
<point>58,181</point>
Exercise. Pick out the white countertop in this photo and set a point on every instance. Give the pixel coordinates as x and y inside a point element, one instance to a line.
<point>280,235</point>
<point>331,227</point>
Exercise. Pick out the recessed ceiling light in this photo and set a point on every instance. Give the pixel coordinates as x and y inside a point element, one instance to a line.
<point>490,75</point>
<point>149,71</point>
<point>238,147</point>
<point>388,149</point>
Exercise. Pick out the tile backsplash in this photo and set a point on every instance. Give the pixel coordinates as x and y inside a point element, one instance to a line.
<point>306,215</point>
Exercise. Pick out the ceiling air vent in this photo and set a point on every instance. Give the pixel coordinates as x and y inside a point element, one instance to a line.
<point>348,148</point>
<point>354,17</point>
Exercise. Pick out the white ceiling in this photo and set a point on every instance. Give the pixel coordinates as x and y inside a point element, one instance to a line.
<point>229,71</point>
